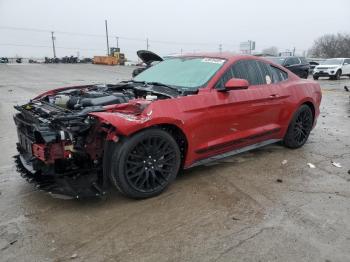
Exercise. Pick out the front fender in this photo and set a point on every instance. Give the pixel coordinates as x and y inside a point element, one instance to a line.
<point>127,124</point>
<point>55,91</point>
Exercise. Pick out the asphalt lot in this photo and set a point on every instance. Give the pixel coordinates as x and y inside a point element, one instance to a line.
<point>234,210</point>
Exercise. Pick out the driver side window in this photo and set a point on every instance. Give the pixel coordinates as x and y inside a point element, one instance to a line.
<point>244,69</point>
<point>225,77</point>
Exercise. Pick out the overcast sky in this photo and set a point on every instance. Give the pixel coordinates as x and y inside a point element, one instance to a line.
<point>190,25</point>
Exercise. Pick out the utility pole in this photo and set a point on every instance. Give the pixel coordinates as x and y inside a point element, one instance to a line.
<point>220,48</point>
<point>53,45</point>
<point>293,51</point>
<point>117,41</point>
<point>107,37</point>
<point>147,44</point>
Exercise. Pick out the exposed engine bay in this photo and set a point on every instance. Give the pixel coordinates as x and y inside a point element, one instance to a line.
<point>85,99</point>
<point>58,137</point>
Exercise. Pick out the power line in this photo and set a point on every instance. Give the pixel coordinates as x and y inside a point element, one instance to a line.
<point>211,44</point>
<point>47,46</point>
<point>120,37</point>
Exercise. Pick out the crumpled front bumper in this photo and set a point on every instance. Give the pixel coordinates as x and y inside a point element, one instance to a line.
<point>49,160</point>
<point>81,185</point>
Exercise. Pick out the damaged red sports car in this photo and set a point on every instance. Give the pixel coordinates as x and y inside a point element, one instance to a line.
<point>179,113</point>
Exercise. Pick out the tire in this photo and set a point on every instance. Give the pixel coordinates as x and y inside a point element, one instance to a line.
<point>337,75</point>
<point>299,128</point>
<point>305,75</point>
<point>145,164</point>
<point>315,77</point>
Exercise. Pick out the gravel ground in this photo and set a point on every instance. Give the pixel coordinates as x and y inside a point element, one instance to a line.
<point>234,210</point>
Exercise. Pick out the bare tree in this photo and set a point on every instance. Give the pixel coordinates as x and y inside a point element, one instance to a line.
<point>273,51</point>
<point>331,45</point>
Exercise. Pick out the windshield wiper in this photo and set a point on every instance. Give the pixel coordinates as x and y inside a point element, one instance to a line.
<point>161,84</point>
<point>155,84</point>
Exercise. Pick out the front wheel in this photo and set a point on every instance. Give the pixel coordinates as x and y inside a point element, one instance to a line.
<point>337,75</point>
<point>299,128</point>
<point>145,164</point>
<point>315,77</point>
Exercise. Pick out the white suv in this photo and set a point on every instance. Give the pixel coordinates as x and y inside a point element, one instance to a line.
<point>333,68</point>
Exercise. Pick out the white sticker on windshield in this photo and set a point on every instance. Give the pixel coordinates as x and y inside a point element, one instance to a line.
<point>213,60</point>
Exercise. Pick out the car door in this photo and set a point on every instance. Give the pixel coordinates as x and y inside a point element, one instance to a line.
<point>346,67</point>
<point>239,118</point>
<point>293,64</point>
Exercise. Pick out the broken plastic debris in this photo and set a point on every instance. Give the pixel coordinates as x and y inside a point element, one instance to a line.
<point>311,165</point>
<point>75,255</point>
<point>336,164</point>
<point>278,180</point>
<point>284,162</point>
<point>346,89</point>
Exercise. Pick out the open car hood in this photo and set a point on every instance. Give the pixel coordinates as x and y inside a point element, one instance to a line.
<point>148,57</point>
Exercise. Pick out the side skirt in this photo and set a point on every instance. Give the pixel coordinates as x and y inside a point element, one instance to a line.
<point>232,153</point>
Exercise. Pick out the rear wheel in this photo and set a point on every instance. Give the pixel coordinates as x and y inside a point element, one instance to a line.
<point>299,128</point>
<point>305,74</point>
<point>145,164</point>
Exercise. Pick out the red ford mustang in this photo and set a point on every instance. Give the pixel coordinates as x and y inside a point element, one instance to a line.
<point>180,113</point>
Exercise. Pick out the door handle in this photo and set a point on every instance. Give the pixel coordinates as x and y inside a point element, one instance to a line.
<point>274,96</point>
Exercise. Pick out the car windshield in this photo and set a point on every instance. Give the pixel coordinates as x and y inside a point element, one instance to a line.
<point>332,61</point>
<point>182,72</point>
<point>277,60</point>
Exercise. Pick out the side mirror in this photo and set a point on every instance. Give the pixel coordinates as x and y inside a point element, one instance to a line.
<point>236,83</point>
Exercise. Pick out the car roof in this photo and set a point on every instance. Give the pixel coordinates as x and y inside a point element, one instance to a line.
<point>222,55</point>
<point>231,57</point>
<point>338,58</point>
<point>284,57</point>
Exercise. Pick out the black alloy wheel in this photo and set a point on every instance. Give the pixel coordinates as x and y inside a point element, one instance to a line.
<point>300,127</point>
<point>145,164</point>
